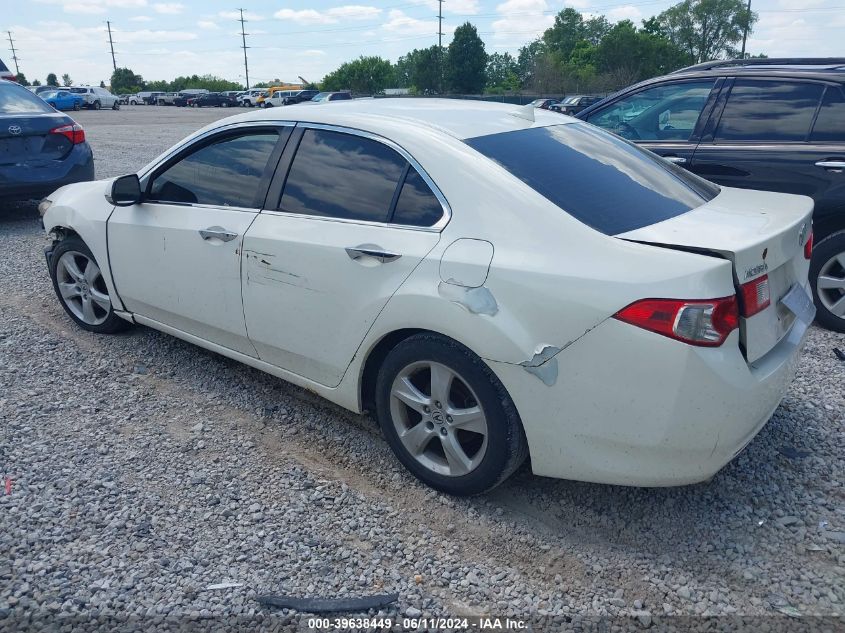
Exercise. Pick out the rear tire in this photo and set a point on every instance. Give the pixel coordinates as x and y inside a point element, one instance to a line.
<point>97,105</point>
<point>81,289</point>
<point>76,107</point>
<point>827,278</point>
<point>458,431</point>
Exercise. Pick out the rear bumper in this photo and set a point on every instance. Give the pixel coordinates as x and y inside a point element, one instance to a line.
<point>634,408</point>
<point>39,179</point>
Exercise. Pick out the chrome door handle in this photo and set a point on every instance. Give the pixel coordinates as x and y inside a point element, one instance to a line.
<point>382,256</point>
<point>217,232</point>
<point>678,160</point>
<point>831,164</point>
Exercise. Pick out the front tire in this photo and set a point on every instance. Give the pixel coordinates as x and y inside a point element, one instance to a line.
<point>447,417</point>
<point>116,106</point>
<point>81,289</point>
<point>76,107</point>
<point>827,278</point>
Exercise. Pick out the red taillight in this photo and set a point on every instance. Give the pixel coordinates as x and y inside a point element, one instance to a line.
<point>706,322</point>
<point>74,133</point>
<point>754,296</point>
<point>808,247</point>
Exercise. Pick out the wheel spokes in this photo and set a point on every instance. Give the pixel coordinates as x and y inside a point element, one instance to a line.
<point>101,299</point>
<point>471,419</point>
<point>70,265</point>
<point>416,438</point>
<point>92,272</point>
<point>441,383</point>
<point>459,462</point>
<point>412,396</point>
<point>826,282</point>
<point>838,308</point>
<point>68,290</point>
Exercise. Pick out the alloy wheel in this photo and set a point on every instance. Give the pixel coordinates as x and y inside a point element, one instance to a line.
<point>830,285</point>
<point>82,287</point>
<point>438,418</point>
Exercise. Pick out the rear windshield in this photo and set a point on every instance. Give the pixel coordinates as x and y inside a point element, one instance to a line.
<point>15,99</point>
<point>595,176</point>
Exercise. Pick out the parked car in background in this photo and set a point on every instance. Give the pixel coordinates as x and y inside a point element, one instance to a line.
<point>212,99</point>
<point>299,96</point>
<point>63,99</point>
<point>325,97</point>
<point>543,104</point>
<point>574,104</point>
<point>5,73</point>
<point>249,98</point>
<point>148,98</point>
<point>40,149</point>
<point>134,100</point>
<point>166,98</point>
<point>39,89</point>
<point>276,99</point>
<point>771,124</point>
<point>662,347</point>
<point>96,98</point>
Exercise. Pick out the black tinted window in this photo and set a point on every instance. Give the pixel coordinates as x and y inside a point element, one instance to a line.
<point>342,176</point>
<point>600,179</point>
<point>417,204</point>
<point>15,99</point>
<point>830,124</point>
<point>225,173</point>
<point>768,111</point>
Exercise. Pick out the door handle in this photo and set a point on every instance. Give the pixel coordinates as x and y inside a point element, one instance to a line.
<point>217,232</point>
<point>382,256</point>
<point>678,160</point>
<point>837,165</point>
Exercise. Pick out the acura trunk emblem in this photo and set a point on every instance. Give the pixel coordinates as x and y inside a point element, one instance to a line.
<point>14,130</point>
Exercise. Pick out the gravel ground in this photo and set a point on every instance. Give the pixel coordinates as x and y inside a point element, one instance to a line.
<point>145,469</point>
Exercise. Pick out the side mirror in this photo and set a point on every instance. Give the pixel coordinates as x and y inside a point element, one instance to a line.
<point>125,191</point>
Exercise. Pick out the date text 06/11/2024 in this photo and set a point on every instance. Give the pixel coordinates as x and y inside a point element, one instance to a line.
<point>421,623</point>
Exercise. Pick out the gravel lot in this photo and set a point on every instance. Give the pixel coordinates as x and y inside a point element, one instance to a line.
<point>145,469</point>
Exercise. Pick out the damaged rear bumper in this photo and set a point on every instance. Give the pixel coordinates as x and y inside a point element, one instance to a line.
<point>625,406</point>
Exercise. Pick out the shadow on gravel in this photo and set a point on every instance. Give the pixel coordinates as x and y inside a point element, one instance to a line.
<point>18,211</point>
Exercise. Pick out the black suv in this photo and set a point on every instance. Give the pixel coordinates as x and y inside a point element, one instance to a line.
<point>300,96</point>
<point>772,124</point>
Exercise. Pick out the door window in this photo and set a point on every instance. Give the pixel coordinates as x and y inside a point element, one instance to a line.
<point>227,172</point>
<point>664,112</point>
<point>830,124</point>
<point>772,111</point>
<point>342,175</point>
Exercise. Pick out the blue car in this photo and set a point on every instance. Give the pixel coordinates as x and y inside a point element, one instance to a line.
<point>62,99</point>
<point>40,149</point>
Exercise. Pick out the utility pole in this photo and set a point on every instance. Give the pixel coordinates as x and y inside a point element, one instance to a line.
<point>745,30</point>
<point>14,53</point>
<point>244,46</point>
<point>440,44</point>
<point>111,45</point>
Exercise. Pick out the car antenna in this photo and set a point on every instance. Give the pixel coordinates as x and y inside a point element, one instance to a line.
<point>525,112</point>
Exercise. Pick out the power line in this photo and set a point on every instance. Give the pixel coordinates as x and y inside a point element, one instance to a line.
<point>111,46</point>
<point>14,53</point>
<point>244,46</point>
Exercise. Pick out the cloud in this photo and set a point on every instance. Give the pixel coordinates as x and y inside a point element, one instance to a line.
<point>460,7</point>
<point>312,53</point>
<point>92,7</point>
<point>236,15</point>
<point>522,20</point>
<point>169,8</point>
<point>626,12</point>
<point>329,16</point>
<point>209,25</point>
<point>401,23</point>
<point>141,18</point>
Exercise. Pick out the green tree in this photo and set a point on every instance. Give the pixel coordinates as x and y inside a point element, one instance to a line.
<point>564,35</point>
<point>419,69</point>
<point>123,81</point>
<point>66,80</point>
<point>52,80</point>
<point>35,82</point>
<point>466,61</point>
<point>21,79</point>
<point>595,29</point>
<point>502,72</point>
<point>706,29</point>
<point>365,75</point>
<point>527,59</point>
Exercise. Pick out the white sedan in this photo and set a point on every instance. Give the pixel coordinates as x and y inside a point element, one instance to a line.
<point>493,282</point>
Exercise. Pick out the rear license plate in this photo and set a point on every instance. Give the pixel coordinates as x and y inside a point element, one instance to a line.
<point>800,303</point>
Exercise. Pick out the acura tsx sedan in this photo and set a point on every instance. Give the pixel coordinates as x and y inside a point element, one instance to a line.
<point>492,282</point>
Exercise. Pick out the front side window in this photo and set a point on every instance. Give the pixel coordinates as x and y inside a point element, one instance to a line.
<point>603,181</point>
<point>773,111</point>
<point>664,112</point>
<point>226,172</point>
<point>342,176</point>
<point>830,123</point>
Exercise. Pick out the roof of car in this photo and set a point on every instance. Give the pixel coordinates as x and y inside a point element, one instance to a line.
<point>459,118</point>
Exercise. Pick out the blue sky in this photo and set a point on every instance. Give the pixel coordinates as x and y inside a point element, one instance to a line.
<point>161,39</point>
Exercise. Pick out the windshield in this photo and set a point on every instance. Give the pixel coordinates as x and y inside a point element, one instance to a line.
<point>49,95</point>
<point>570,100</point>
<point>320,96</point>
<point>598,178</point>
<point>15,99</point>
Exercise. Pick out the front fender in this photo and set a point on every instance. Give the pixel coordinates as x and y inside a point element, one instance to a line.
<point>82,208</point>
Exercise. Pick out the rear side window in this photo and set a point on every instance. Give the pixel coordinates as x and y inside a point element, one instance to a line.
<point>15,99</point>
<point>830,124</point>
<point>342,176</point>
<point>773,111</point>
<point>598,178</point>
<point>417,205</point>
<point>225,173</point>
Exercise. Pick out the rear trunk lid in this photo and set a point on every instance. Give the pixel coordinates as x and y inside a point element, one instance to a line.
<point>761,233</point>
<point>26,139</point>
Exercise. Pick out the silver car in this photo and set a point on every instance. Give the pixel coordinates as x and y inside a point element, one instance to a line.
<point>96,98</point>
